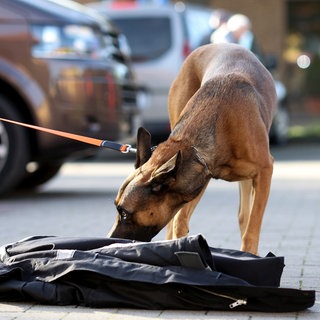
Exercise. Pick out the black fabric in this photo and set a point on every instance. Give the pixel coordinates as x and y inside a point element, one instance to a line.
<point>265,271</point>
<point>178,274</point>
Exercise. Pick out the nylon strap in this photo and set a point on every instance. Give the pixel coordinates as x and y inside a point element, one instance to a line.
<point>124,148</point>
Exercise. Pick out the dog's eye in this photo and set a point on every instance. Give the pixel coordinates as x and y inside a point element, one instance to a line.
<point>125,216</point>
<point>156,188</point>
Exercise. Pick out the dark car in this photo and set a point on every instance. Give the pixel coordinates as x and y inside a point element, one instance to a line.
<point>61,67</point>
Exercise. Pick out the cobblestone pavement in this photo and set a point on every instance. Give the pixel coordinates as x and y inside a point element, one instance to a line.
<point>290,229</point>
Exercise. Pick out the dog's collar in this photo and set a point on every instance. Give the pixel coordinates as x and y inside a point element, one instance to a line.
<point>200,159</point>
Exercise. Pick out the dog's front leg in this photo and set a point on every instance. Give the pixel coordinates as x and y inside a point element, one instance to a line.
<point>179,225</point>
<point>169,230</point>
<point>260,195</point>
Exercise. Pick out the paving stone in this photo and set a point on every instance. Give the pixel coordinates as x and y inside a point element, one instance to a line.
<point>290,229</point>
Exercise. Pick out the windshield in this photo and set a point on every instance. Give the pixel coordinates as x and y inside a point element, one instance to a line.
<point>148,37</point>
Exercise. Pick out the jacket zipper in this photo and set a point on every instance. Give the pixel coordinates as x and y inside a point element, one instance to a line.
<point>237,302</point>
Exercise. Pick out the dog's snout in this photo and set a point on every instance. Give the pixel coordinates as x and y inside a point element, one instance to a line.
<point>132,231</point>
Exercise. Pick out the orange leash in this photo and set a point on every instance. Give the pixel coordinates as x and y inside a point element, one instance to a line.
<point>124,148</point>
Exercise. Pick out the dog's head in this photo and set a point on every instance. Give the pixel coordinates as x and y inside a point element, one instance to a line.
<point>162,182</point>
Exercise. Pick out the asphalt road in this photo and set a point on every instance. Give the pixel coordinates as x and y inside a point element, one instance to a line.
<point>79,202</point>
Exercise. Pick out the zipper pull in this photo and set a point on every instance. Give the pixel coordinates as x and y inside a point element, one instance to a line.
<point>239,302</point>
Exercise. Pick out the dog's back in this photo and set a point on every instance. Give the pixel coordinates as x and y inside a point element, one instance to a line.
<point>225,66</point>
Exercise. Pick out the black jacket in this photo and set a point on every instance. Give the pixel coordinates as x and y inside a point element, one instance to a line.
<point>178,274</point>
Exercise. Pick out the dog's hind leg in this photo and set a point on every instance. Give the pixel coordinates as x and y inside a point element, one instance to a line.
<point>261,189</point>
<point>179,225</point>
<point>245,193</point>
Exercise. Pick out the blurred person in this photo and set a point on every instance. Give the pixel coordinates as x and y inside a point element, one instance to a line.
<point>218,21</point>
<point>238,29</point>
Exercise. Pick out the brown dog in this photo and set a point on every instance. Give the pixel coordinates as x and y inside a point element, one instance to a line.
<point>221,106</point>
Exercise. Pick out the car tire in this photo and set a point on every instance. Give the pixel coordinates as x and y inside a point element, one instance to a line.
<point>14,147</point>
<point>43,173</point>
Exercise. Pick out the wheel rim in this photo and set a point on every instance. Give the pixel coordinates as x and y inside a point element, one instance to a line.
<point>4,146</point>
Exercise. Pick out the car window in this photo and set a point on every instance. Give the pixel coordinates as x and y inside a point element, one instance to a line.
<point>67,41</point>
<point>148,37</point>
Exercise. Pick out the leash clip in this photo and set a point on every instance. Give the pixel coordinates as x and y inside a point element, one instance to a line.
<point>126,148</point>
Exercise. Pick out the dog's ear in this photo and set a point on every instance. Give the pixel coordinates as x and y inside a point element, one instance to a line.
<point>167,167</point>
<point>143,147</point>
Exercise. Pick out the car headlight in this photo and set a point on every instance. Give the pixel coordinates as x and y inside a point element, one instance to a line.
<point>67,42</point>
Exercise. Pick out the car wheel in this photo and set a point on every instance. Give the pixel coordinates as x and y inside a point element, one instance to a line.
<point>280,127</point>
<point>14,148</point>
<point>40,175</point>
